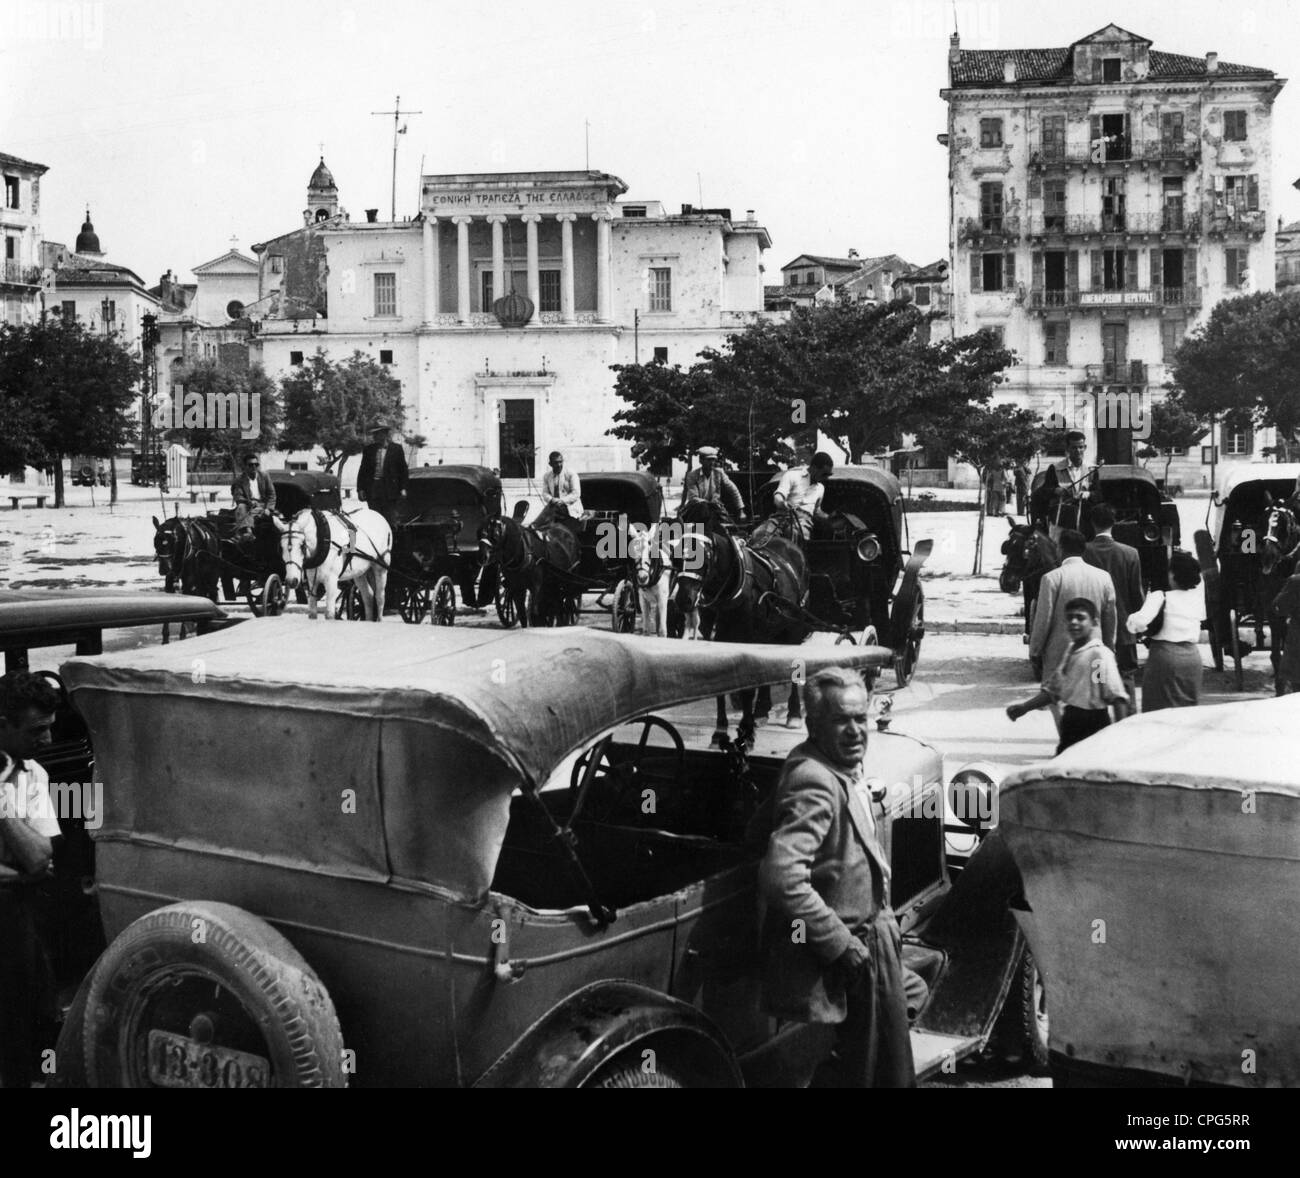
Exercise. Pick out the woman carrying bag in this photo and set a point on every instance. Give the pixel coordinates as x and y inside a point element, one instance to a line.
<point>1171,623</point>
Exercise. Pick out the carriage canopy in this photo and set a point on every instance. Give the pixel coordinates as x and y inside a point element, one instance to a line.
<point>297,490</point>
<point>370,755</point>
<point>1246,488</point>
<point>870,493</point>
<point>633,493</point>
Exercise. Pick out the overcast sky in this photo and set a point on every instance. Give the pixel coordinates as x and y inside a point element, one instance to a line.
<point>185,125</point>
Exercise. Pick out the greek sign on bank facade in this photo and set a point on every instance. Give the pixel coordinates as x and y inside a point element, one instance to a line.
<point>536,198</point>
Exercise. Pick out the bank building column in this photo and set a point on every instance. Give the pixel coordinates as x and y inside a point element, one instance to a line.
<point>462,267</point>
<point>566,266</point>
<point>430,269</point>
<point>530,221</point>
<point>604,236</point>
<point>497,221</point>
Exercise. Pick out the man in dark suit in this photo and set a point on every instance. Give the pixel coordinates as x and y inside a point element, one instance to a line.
<point>382,479</point>
<point>831,946</point>
<point>1124,565</point>
<point>254,496</point>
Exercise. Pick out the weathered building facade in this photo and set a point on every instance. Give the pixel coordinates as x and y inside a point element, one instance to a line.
<point>20,228</point>
<point>501,307</point>
<point>1104,197</point>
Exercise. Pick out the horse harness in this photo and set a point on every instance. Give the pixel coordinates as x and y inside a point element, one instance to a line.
<point>325,541</point>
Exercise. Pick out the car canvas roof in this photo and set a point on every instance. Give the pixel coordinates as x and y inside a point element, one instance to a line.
<point>430,734</point>
<point>28,613</point>
<point>480,478</point>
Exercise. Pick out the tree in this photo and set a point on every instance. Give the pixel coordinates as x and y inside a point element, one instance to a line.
<point>1173,427</point>
<point>861,374</point>
<point>63,390</point>
<point>991,439</point>
<point>332,404</point>
<point>248,392</point>
<point>1241,365</point>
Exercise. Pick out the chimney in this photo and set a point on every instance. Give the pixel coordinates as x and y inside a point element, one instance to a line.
<point>1009,69</point>
<point>1211,63</point>
<point>372,215</point>
<point>853,253</point>
<point>749,214</point>
<point>954,49</point>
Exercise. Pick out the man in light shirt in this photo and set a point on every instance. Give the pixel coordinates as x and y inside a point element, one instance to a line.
<point>28,827</point>
<point>562,491</point>
<point>800,493</point>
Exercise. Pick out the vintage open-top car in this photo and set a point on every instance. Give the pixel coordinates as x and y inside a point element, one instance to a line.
<point>377,861</point>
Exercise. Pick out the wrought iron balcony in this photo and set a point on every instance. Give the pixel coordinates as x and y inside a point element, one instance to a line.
<point>1168,220</point>
<point>1125,372</point>
<point>1002,227</point>
<point>1117,149</point>
<point>16,274</point>
<point>1043,299</point>
<point>1225,219</point>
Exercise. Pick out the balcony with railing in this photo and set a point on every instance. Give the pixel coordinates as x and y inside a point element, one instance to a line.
<point>1045,299</point>
<point>1225,219</point>
<point>994,228</point>
<point>1117,149</point>
<point>1168,220</point>
<point>1126,372</point>
<point>16,274</point>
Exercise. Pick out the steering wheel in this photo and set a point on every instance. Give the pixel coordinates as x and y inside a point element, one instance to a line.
<point>54,678</point>
<point>595,765</point>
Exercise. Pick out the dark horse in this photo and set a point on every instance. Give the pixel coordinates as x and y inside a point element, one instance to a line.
<point>1279,555</point>
<point>1030,556</point>
<point>739,590</point>
<point>188,552</point>
<point>529,560</point>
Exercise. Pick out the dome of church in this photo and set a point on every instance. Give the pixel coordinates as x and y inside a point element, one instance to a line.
<point>87,239</point>
<point>322,177</point>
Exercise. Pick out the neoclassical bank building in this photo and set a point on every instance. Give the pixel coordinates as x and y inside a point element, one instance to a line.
<point>503,304</point>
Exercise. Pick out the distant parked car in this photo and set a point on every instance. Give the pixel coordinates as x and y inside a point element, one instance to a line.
<point>87,471</point>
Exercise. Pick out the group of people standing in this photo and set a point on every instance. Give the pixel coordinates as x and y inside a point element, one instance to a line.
<point>1092,613</point>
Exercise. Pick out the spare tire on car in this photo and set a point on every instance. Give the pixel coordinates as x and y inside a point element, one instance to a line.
<point>205,995</point>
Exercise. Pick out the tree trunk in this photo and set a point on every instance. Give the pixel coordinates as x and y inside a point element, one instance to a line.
<point>979,529</point>
<point>112,477</point>
<point>58,481</point>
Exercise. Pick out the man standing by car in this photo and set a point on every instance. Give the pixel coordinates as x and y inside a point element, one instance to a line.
<point>1124,565</point>
<point>28,826</point>
<point>832,948</point>
<point>382,476</point>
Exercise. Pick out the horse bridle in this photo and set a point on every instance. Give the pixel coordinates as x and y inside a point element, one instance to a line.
<point>496,549</point>
<point>1275,515</point>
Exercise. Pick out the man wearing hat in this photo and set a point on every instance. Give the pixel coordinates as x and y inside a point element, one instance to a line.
<point>562,492</point>
<point>382,479</point>
<point>709,483</point>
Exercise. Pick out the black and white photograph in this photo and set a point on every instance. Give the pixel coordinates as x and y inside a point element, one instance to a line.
<point>650,545</point>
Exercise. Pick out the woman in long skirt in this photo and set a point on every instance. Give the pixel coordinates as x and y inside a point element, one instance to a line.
<point>1172,678</point>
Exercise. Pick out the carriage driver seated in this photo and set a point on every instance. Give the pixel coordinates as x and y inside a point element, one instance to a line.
<point>1063,482</point>
<point>797,502</point>
<point>709,483</point>
<point>562,491</point>
<point>254,496</point>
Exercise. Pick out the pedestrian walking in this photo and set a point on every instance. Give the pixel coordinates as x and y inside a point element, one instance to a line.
<point>1124,565</point>
<point>1172,620</point>
<point>1083,684</point>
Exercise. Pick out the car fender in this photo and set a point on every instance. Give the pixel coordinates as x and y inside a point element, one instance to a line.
<point>569,1044</point>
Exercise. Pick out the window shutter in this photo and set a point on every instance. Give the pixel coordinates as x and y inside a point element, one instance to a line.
<point>1096,71</point>
<point>1230,267</point>
<point>1035,186</point>
<point>1072,270</point>
<point>1009,272</point>
<point>1094,121</point>
<point>1121,345</point>
<point>1131,271</point>
<point>1096,269</point>
<point>1157,272</point>
<point>1252,193</point>
<point>1189,268</point>
<point>1037,272</point>
<point>976,273</point>
<point>1063,343</point>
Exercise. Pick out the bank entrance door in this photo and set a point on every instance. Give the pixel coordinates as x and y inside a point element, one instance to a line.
<point>517,438</point>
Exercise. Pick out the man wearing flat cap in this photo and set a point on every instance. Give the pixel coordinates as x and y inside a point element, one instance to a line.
<point>381,481</point>
<point>709,483</point>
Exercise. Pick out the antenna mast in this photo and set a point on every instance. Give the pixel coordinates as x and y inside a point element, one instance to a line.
<point>396,112</point>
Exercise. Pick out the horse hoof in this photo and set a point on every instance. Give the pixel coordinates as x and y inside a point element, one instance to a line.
<point>794,721</point>
<point>719,739</point>
<point>760,720</point>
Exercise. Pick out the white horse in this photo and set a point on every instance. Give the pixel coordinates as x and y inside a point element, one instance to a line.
<point>653,571</point>
<point>356,546</point>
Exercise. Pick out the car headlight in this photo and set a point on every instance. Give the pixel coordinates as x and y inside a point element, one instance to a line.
<point>973,796</point>
<point>1150,531</point>
<point>867,547</point>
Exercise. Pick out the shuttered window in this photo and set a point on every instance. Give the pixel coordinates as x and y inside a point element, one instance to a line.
<point>1234,127</point>
<point>385,294</point>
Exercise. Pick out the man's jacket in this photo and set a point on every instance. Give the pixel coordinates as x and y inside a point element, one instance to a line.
<point>714,487</point>
<point>392,479</point>
<point>823,880</point>
<point>240,491</point>
<point>1059,587</point>
<point>1124,565</point>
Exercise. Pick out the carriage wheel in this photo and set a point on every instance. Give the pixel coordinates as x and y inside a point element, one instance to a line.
<point>414,603</point>
<point>505,604</point>
<point>910,611</point>
<point>571,609</point>
<point>274,597</point>
<point>1234,638</point>
<point>351,607</point>
<point>444,602</point>
<point>624,610</point>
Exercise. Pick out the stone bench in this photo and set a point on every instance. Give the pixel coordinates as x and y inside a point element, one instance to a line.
<point>195,492</point>
<point>15,500</point>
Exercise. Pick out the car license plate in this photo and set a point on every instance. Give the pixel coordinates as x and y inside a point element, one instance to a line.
<point>178,1062</point>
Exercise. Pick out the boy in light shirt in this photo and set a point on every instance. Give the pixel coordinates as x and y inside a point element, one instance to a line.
<point>1085,683</point>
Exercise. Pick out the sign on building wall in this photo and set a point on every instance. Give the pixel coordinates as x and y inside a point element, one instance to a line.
<point>538,200</point>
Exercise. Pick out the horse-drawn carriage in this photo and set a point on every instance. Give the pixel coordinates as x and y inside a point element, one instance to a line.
<point>1246,554</point>
<point>617,504</point>
<point>435,542</point>
<point>861,576</point>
